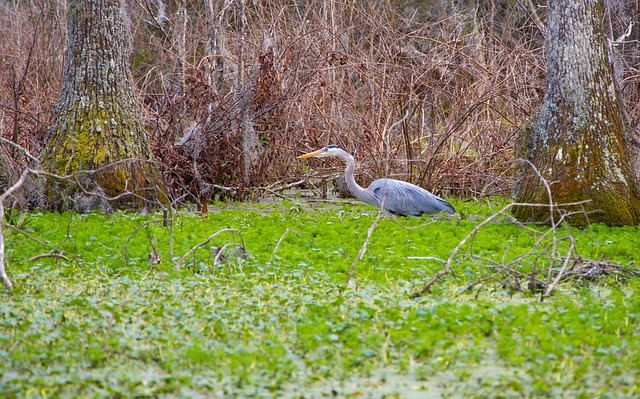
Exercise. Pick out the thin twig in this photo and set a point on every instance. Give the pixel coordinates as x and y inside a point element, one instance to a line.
<point>18,147</point>
<point>205,242</point>
<point>124,258</point>
<point>482,280</point>
<point>287,231</point>
<point>426,258</point>
<point>52,254</point>
<point>23,177</point>
<point>220,252</point>
<point>363,249</point>
<point>551,286</point>
<point>274,188</point>
<point>139,227</point>
<point>447,265</point>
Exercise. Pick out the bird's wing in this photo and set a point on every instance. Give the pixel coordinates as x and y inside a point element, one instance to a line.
<point>404,198</point>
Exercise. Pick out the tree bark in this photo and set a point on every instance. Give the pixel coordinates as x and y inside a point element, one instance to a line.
<point>577,141</point>
<point>248,133</point>
<point>215,16</point>
<point>97,118</point>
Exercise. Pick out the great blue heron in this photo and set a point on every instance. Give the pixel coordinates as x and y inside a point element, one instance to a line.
<point>395,196</point>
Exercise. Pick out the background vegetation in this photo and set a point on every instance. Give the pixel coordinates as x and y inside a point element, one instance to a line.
<point>463,75</point>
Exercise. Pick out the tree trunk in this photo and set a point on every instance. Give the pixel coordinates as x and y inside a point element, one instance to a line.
<point>97,119</point>
<point>248,133</point>
<point>577,140</point>
<point>216,43</point>
<point>180,43</point>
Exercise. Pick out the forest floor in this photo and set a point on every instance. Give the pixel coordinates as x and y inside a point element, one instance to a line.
<point>91,317</point>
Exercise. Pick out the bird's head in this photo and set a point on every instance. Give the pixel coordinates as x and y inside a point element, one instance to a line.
<point>331,150</point>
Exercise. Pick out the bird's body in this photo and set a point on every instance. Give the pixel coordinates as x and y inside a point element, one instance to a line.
<point>394,196</point>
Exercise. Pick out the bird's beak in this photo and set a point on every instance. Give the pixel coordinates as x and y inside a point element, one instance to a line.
<point>311,154</point>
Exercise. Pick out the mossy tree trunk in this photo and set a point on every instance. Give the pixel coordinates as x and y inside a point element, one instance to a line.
<point>97,119</point>
<point>577,139</point>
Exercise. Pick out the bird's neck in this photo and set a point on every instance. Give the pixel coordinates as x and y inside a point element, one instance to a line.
<point>348,175</point>
<point>354,187</point>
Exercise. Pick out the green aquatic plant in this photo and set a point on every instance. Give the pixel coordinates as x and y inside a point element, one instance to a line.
<point>99,320</point>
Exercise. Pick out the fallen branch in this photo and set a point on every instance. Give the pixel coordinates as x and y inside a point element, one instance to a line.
<point>240,251</point>
<point>52,254</point>
<point>274,188</point>
<point>553,208</point>
<point>592,270</point>
<point>448,264</point>
<point>18,147</point>
<point>178,263</point>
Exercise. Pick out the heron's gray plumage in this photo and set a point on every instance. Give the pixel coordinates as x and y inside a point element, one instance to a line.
<point>404,198</point>
<point>394,196</point>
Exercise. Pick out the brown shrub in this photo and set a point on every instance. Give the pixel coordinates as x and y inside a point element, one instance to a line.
<point>462,79</point>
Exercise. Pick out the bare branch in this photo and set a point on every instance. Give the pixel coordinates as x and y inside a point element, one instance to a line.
<point>560,274</point>
<point>19,148</point>
<point>178,263</point>
<point>287,231</point>
<point>447,265</point>
<point>363,249</point>
<point>23,177</point>
<point>52,254</point>
<point>239,250</point>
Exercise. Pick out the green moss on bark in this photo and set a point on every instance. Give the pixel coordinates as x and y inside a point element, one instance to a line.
<point>92,141</point>
<point>595,168</point>
<point>97,125</point>
<point>576,141</point>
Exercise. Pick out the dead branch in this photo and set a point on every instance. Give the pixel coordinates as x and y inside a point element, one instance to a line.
<point>554,223</point>
<point>74,176</point>
<point>239,251</point>
<point>287,231</point>
<point>591,270</point>
<point>53,254</point>
<point>138,228</point>
<point>447,266</point>
<point>178,263</point>
<point>560,274</point>
<point>276,187</point>
<point>23,177</point>
<point>363,249</point>
<point>22,150</point>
